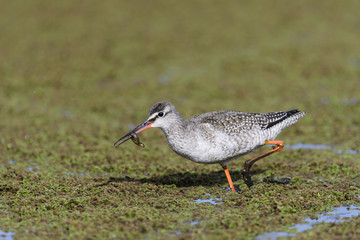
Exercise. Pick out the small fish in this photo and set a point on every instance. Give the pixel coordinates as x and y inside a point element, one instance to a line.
<point>133,134</point>
<point>135,138</point>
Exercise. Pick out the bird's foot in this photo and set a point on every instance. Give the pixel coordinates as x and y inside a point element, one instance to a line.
<point>247,178</point>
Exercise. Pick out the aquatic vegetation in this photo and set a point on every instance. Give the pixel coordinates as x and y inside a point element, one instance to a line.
<point>75,76</point>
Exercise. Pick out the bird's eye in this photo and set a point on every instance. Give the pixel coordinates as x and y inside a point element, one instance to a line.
<point>161,114</point>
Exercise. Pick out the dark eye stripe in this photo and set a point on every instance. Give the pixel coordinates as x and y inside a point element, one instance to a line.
<point>160,114</point>
<point>152,119</point>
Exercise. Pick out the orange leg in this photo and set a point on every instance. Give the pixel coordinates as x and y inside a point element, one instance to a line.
<point>231,185</point>
<point>247,165</point>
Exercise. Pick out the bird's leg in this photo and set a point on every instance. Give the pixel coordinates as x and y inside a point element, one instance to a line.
<point>231,185</point>
<point>247,165</point>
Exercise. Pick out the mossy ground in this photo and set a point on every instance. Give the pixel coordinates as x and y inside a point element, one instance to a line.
<point>75,75</point>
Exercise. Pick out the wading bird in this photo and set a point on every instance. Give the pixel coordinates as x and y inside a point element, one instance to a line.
<point>217,137</point>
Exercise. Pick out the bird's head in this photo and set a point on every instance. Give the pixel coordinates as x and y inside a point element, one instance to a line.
<point>160,115</point>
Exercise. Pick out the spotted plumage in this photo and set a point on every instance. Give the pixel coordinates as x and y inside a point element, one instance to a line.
<point>216,137</point>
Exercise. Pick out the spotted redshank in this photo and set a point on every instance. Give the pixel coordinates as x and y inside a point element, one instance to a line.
<point>217,137</point>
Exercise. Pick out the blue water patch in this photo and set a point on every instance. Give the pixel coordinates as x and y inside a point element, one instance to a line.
<point>335,215</point>
<point>274,235</point>
<point>308,146</point>
<point>320,147</point>
<point>6,235</point>
<point>196,222</point>
<point>211,200</point>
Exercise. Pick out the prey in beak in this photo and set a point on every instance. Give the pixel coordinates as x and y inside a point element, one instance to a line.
<point>133,134</point>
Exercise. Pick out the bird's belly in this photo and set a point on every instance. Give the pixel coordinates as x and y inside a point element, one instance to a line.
<point>218,148</point>
<point>226,149</point>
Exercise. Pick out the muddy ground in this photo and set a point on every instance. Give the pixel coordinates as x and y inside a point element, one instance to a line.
<point>75,76</point>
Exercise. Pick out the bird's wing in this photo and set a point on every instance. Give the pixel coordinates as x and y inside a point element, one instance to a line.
<point>237,122</point>
<point>277,117</point>
<point>230,121</point>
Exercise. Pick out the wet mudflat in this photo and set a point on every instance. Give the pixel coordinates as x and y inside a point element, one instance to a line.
<point>75,77</point>
<point>334,216</point>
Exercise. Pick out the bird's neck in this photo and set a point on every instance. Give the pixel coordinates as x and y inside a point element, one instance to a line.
<point>175,127</point>
<point>175,133</point>
<point>179,137</point>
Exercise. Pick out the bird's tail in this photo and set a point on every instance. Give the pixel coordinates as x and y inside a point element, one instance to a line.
<point>281,120</point>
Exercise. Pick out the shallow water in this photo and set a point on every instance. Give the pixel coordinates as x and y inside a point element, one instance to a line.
<point>211,200</point>
<point>335,215</point>
<point>33,169</point>
<point>274,235</point>
<point>6,235</point>
<point>320,147</point>
<point>196,222</point>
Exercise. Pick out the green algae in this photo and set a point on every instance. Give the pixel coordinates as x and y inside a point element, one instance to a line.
<point>74,77</point>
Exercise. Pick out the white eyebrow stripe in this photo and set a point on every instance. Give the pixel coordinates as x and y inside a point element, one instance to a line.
<point>152,116</point>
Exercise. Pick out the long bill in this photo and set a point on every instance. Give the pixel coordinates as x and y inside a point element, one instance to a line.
<point>143,126</point>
